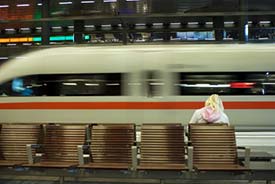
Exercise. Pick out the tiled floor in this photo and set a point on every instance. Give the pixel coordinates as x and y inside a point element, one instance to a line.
<point>71,182</point>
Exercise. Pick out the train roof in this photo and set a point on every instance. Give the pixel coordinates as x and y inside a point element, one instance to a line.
<point>123,59</point>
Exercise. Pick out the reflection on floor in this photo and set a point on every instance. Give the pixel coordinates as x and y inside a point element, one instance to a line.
<point>183,182</point>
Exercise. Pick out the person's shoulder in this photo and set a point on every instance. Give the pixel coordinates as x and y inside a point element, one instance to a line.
<point>199,110</point>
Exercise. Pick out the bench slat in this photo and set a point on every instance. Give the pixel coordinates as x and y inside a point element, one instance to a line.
<point>162,146</point>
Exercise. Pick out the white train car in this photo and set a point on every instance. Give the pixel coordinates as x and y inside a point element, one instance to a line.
<point>143,84</point>
<point>139,84</point>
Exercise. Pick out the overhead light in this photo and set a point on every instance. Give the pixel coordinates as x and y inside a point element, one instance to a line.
<point>10,29</point>
<point>109,1</point>
<point>113,84</point>
<point>140,24</point>
<point>22,5</point>
<point>4,58</point>
<point>57,27</point>
<point>132,0</point>
<point>69,84</point>
<point>25,28</point>
<point>4,6</point>
<point>87,2</point>
<point>193,23</point>
<point>11,44</point>
<point>27,44</point>
<point>209,23</point>
<point>65,2</point>
<point>89,26</point>
<point>39,4</point>
<point>91,84</point>
<point>229,22</point>
<point>265,22</point>
<point>106,25</point>
<point>175,23</point>
<point>268,83</point>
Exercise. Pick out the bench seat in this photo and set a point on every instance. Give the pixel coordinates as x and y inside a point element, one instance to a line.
<point>110,146</point>
<point>214,147</point>
<point>13,141</point>
<point>162,147</point>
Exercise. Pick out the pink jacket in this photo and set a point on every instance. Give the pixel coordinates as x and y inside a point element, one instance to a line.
<point>208,115</point>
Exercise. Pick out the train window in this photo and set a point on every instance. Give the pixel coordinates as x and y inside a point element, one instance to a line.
<point>67,85</point>
<point>227,83</point>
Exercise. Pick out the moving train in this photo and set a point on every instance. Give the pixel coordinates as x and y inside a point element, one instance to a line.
<point>139,84</point>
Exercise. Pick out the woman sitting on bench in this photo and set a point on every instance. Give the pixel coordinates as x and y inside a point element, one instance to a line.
<point>213,112</point>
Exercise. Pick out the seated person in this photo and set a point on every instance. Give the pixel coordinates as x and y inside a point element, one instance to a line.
<point>211,113</point>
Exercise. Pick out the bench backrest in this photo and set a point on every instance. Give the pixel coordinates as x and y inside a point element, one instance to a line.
<point>162,144</point>
<point>14,138</point>
<point>61,141</point>
<point>213,144</point>
<point>111,143</point>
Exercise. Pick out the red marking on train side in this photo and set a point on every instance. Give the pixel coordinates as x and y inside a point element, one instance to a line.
<point>130,105</point>
<point>242,85</point>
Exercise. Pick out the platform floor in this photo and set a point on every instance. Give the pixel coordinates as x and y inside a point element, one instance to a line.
<point>184,182</point>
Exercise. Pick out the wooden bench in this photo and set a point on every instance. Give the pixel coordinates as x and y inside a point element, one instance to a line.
<point>110,146</point>
<point>59,147</point>
<point>13,141</point>
<point>162,147</point>
<point>214,147</point>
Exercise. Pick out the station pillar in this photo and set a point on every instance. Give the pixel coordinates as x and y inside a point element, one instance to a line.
<point>78,31</point>
<point>125,34</point>
<point>218,24</point>
<point>45,24</point>
<point>243,22</point>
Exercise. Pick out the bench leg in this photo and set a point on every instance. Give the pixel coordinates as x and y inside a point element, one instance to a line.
<point>247,158</point>
<point>190,158</point>
<point>134,158</point>
<point>29,153</point>
<point>61,180</point>
<point>80,155</point>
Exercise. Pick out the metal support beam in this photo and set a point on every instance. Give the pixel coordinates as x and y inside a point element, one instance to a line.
<point>166,37</point>
<point>78,31</point>
<point>46,25</point>
<point>125,34</point>
<point>243,22</point>
<point>218,24</point>
<point>243,29</point>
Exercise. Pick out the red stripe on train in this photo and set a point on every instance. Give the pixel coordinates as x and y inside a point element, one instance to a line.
<point>131,105</point>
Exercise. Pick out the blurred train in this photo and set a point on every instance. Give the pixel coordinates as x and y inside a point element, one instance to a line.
<point>139,84</point>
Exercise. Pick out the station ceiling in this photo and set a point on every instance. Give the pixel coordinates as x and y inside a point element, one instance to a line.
<point>132,11</point>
